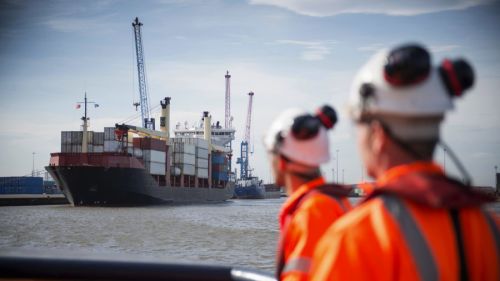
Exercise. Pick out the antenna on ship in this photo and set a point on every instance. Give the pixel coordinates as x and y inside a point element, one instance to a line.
<point>85,120</point>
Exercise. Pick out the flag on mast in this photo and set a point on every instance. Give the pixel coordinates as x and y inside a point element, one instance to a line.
<point>78,106</point>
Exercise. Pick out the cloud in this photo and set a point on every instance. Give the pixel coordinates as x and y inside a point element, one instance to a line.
<point>372,47</point>
<point>313,50</point>
<point>322,8</point>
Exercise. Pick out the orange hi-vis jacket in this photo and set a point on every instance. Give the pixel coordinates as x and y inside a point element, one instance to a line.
<point>416,225</point>
<point>304,217</point>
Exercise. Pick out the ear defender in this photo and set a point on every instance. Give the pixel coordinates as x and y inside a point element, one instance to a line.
<point>407,65</point>
<point>307,126</point>
<point>457,76</point>
<point>327,115</point>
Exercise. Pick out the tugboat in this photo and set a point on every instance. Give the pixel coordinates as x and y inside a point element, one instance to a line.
<point>250,188</point>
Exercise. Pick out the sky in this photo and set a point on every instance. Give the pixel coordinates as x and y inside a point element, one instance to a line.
<point>290,53</point>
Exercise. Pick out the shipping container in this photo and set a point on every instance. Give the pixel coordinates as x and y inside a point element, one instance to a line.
<point>109,134</point>
<point>21,185</point>
<point>76,148</point>
<point>220,168</point>
<point>98,138</point>
<point>150,144</point>
<point>202,173</point>
<point>202,163</point>
<point>218,159</point>
<point>182,158</point>
<point>155,168</point>
<point>98,148</point>
<point>111,146</point>
<point>186,169</point>
<point>184,148</point>
<point>201,153</point>
<point>221,176</point>
<point>154,156</point>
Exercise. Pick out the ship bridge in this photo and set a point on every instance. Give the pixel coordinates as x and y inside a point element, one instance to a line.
<point>220,136</point>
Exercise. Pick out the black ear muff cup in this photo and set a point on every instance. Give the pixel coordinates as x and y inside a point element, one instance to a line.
<point>407,65</point>
<point>457,75</point>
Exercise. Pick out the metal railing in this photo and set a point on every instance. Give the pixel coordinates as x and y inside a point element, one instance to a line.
<point>57,267</point>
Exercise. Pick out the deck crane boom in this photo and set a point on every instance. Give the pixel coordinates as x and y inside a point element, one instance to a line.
<point>243,159</point>
<point>147,122</point>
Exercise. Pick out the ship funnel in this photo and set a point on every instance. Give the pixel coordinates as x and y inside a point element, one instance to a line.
<point>207,128</point>
<point>165,117</point>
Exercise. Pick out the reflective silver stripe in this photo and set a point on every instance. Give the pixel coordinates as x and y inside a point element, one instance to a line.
<point>419,248</point>
<point>298,264</point>
<point>494,230</point>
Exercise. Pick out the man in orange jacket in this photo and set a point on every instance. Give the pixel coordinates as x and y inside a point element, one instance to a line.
<point>417,223</point>
<point>298,144</point>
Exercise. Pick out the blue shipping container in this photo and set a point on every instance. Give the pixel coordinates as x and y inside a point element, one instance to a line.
<point>218,159</point>
<point>223,176</point>
<point>21,185</point>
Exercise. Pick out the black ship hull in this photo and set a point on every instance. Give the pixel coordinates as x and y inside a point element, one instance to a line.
<point>117,186</point>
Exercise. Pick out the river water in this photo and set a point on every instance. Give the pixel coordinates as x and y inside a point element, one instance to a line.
<point>240,233</point>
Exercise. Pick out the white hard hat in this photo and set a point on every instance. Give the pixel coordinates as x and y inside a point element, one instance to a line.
<point>403,82</point>
<point>301,137</point>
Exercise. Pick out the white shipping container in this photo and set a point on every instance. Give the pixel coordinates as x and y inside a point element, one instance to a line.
<point>202,143</point>
<point>186,169</point>
<point>154,156</point>
<point>182,158</point>
<point>155,168</point>
<point>201,153</point>
<point>175,171</point>
<point>184,148</point>
<point>137,152</point>
<point>202,173</point>
<point>202,163</point>
<point>111,146</point>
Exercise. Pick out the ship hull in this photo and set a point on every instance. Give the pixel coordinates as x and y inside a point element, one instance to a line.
<point>120,186</point>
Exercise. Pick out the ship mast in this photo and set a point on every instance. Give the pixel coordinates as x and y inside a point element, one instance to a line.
<point>85,120</point>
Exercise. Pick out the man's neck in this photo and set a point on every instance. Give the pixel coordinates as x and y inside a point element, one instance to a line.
<point>293,182</point>
<point>388,161</point>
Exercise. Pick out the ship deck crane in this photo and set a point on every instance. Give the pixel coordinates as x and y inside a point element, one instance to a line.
<point>228,118</point>
<point>243,159</point>
<point>147,122</point>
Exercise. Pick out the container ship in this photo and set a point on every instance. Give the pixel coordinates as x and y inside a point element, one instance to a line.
<point>129,165</point>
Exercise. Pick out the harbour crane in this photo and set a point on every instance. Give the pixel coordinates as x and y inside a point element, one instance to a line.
<point>243,159</point>
<point>147,122</point>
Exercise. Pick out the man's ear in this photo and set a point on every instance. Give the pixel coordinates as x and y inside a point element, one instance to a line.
<point>281,163</point>
<point>379,137</point>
